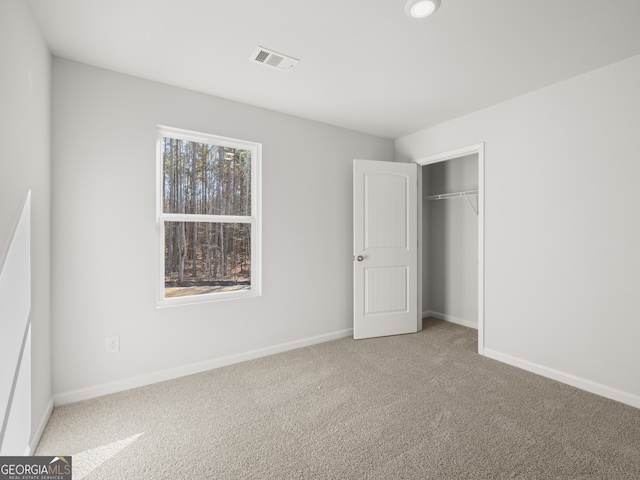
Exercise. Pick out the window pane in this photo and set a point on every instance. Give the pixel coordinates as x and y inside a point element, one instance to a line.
<point>201,258</point>
<point>201,178</point>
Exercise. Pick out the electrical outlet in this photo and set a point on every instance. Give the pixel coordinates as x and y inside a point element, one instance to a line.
<point>113,344</point>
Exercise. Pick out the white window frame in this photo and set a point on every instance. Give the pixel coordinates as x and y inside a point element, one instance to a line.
<point>254,219</point>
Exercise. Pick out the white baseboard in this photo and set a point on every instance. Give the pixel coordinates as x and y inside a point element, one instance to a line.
<point>170,374</point>
<point>451,319</point>
<point>574,381</point>
<point>35,438</point>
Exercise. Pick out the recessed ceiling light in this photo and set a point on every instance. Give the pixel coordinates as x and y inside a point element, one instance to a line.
<point>421,8</point>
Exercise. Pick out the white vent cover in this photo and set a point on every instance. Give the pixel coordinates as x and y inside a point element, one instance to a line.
<point>273,59</point>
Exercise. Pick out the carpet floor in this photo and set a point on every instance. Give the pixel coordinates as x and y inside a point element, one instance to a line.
<point>422,406</point>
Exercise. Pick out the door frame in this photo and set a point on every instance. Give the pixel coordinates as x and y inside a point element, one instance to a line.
<point>477,149</point>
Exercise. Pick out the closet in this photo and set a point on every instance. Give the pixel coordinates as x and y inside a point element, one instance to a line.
<point>450,240</point>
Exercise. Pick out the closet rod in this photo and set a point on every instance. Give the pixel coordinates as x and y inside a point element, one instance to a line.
<point>445,196</point>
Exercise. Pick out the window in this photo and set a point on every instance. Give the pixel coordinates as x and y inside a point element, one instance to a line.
<point>208,217</point>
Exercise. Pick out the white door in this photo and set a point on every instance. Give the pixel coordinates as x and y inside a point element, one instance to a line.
<point>385,248</point>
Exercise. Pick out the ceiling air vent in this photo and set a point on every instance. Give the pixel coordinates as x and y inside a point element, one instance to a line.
<point>273,59</point>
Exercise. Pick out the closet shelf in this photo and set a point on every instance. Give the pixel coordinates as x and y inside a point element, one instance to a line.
<point>446,196</point>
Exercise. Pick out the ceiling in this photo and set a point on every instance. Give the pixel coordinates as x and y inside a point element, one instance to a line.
<point>364,64</point>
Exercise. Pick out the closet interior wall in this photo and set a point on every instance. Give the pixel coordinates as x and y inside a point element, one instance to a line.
<point>450,242</point>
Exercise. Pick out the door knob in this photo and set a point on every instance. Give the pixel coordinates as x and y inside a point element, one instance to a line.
<point>360,258</point>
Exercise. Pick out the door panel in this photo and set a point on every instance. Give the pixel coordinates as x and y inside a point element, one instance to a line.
<point>385,211</point>
<point>385,248</point>
<point>385,290</point>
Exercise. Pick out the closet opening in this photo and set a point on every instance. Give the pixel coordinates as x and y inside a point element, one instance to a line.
<point>450,230</point>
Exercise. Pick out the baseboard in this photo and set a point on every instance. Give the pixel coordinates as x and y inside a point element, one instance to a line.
<point>35,438</point>
<point>574,381</point>
<point>170,374</point>
<point>451,319</point>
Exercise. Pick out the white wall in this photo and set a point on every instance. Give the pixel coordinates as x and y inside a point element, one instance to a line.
<point>450,242</point>
<point>562,260</point>
<point>25,122</point>
<point>104,233</point>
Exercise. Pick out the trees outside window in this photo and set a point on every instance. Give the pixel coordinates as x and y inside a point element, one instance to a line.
<point>208,217</point>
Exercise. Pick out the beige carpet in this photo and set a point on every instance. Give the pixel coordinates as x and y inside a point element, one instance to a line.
<point>422,406</point>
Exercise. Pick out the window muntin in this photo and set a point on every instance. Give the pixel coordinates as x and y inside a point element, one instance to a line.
<point>208,217</point>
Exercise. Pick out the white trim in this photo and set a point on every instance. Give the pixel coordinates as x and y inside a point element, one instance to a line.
<point>573,380</point>
<point>198,137</point>
<point>450,319</point>
<point>451,154</point>
<point>170,374</point>
<point>475,149</point>
<point>207,297</point>
<point>420,244</point>
<point>481,210</point>
<point>179,217</point>
<point>35,438</point>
